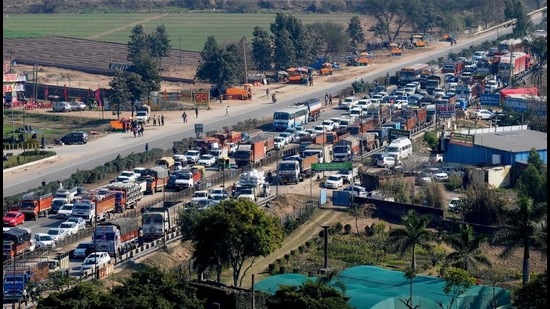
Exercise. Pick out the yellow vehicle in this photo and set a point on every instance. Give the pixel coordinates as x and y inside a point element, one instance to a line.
<point>200,168</point>
<point>224,163</point>
<point>418,40</point>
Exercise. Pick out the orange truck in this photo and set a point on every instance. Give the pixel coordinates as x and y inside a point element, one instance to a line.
<point>156,178</point>
<point>33,205</point>
<point>16,241</point>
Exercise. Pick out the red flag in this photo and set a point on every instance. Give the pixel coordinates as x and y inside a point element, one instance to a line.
<point>65,91</point>
<point>98,97</point>
<point>46,94</point>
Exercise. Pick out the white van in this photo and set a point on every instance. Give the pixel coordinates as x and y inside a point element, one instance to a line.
<point>400,148</point>
<point>61,106</point>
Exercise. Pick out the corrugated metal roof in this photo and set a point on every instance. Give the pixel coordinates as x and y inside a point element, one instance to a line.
<point>513,141</point>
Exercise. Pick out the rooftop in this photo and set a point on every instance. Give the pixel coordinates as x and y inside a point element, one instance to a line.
<point>513,141</point>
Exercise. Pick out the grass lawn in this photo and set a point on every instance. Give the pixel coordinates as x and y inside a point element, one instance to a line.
<point>26,157</point>
<point>186,30</point>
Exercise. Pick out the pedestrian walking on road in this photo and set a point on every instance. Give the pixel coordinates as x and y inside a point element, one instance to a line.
<point>184,117</point>
<point>196,112</point>
<point>330,99</point>
<point>146,146</point>
<point>154,120</point>
<point>326,98</point>
<point>162,119</point>
<point>267,92</point>
<point>227,111</point>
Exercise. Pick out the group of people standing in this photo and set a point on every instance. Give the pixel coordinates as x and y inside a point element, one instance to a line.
<point>158,120</point>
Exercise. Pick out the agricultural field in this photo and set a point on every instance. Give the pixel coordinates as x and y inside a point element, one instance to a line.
<point>187,31</point>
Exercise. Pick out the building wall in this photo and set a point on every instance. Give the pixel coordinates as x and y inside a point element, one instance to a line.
<point>475,155</point>
<point>497,177</point>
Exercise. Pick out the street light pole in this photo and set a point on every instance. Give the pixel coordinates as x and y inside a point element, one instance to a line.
<point>325,264</point>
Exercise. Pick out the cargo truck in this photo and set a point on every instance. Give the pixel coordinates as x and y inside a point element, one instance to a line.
<point>17,277</point>
<point>187,179</point>
<point>295,169</point>
<point>143,113</point>
<point>33,205</point>
<point>161,219</point>
<point>518,62</point>
<point>254,150</point>
<point>314,106</point>
<point>346,150</point>
<point>16,241</point>
<point>435,81</point>
<point>156,178</point>
<point>117,236</point>
<point>95,205</point>
<point>126,195</point>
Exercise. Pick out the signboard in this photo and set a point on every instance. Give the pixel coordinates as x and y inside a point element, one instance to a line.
<point>462,139</point>
<point>492,99</point>
<point>396,133</point>
<point>445,110</point>
<point>199,128</point>
<point>202,97</point>
<point>332,166</point>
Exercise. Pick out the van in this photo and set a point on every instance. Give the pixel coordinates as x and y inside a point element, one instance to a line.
<point>400,148</point>
<point>61,107</point>
<point>75,138</point>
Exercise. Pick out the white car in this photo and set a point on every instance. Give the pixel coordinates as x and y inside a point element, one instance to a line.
<point>287,136</point>
<point>200,195</point>
<point>192,156</point>
<point>207,160</point>
<point>334,182</point>
<point>335,122</point>
<point>454,204</point>
<point>301,134</point>
<point>348,102</point>
<point>70,227</point>
<point>328,124</point>
<point>386,161</point>
<point>484,114</point>
<point>279,142</point>
<point>357,191</point>
<point>65,211</point>
<point>219,190</point>
<point>123,179</point>
<point>139,171</point>
<point>80,222</point>
<point>178,166</point>
<point>319,129</point>
<point>347,175</point>
<point>57,234</point>
<point>130,174</point>
<point>440,176</point>
<point>218,198</point>
<point>43,240</point>
<point>83,249</point>
<point>479,55</point>
<point>96,259</point>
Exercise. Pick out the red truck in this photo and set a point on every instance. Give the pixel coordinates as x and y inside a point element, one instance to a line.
<point>521,63</point>
<point>255,150</point>
<point>156,178</point>
<point>33,205</point>
<point>362,126</point>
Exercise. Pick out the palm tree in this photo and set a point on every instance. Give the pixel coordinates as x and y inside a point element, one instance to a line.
<point>525,229</point>
<point>414,233</point>
<point>467,246</point>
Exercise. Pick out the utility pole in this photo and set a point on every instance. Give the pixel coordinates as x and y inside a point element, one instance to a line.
<point>325,228</point>
<point>244,57</point>
<point>511,66</point>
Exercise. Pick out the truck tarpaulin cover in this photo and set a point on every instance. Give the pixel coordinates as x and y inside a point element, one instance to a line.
<point>17,235</point>
<point>533,91</point>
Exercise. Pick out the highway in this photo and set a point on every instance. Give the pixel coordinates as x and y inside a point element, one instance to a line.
<point>84,157</point>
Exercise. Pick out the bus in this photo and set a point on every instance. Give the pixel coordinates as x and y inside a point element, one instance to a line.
<point>290,117</point>
<point>413,72</point>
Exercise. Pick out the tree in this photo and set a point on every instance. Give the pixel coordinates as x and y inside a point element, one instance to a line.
<point>147,69</point>
<point>355,31</point>
<point>358,211</point>
<point>331,37</point>
<point>310,294</point>
<point>413,234</point>
<point>119,94</point>
<point>292,37</point>
<point>523,230</point>
<point>515,9</point>
<point>457,281</point>
<point>262,49</point>
<point>467,246</point>
<point>390,13</point>
<point>534,294</point>
<point>139,42</point>
<point>533,182</point>
<point>236,231</point>
<point>159,44</point>
<point>285,52</point>
<point>220,66</point>
<point>136,87</point>
<point>482,204</point>
<point>409,274</point>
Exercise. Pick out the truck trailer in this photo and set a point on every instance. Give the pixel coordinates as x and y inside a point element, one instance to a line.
<point>117,236</point>
<point>346,149</point>
<point>295,169</point>
<point>34,205</point>
<point>161,219</point>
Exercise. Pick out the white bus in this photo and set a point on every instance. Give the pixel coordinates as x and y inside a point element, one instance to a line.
<point>400,148</point>
<point>290,117</point>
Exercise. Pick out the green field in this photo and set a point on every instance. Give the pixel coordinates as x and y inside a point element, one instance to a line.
<point>188,29</point>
